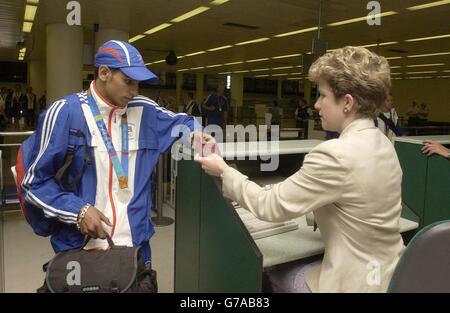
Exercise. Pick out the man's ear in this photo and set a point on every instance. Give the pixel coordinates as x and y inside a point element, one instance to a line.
<point>104,73</point>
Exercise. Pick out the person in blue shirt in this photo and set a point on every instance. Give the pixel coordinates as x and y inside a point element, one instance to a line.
<point>215,108</point>
<point>125,134</point>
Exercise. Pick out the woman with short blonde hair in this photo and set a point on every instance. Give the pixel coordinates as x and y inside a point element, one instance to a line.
<point>356,71</point>
<point>351,184</point>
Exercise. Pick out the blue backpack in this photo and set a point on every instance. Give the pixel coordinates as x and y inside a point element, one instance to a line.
<point>44,226</point>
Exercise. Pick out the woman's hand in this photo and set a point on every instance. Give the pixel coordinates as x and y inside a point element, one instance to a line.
<point>431,147</point>
<point>212,164</point>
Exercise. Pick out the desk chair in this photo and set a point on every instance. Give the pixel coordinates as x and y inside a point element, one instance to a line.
<point>425,264</point>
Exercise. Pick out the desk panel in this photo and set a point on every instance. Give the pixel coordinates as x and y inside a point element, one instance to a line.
<point>301,243</point>
<point>414,166</point>
<point>437,201</point>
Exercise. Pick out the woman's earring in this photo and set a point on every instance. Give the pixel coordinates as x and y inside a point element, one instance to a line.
<point>345,110</point>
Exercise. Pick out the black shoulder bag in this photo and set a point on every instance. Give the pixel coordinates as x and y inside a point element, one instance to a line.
<point>119,269</point>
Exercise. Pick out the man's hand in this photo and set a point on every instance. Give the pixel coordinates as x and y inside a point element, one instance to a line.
<point>203,144</point>
<point>213,164</point>
<point>430,147</point>
<point>91,224</point>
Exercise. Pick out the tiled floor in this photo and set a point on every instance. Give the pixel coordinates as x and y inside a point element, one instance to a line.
<point>25,252</point>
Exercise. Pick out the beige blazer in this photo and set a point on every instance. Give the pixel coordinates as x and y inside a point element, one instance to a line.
<point>353,186</point>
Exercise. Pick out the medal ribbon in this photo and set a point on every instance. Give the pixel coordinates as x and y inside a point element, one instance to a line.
<point>120,167</point>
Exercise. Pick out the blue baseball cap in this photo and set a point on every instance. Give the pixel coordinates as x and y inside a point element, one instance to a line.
<point>123,56</point>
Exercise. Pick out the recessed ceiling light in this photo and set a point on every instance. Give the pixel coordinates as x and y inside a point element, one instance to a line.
<point>428,38</point>
<point>195,53</point>
<point>295,32</point>
<point>428,55</point>
<point>379,44</point>
<point>220,48</point>
<point>428,5</point>
<point>27,27</point>
<point>287,56</point>
<point>425,65</point>
<point>135,38</point>
<point>234,63</point>
<point>257,60</point>
<point>30,12</point>
<point>215,65</point>
<point>363,18</point>
<point>190,14</point>
<point>423,72</point>
<point>218,2</point>
<point>282,67</point>
<point>252,41</point>
<point>157,28</point>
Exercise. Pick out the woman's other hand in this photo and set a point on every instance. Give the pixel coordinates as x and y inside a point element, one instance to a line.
<point>212,164</point>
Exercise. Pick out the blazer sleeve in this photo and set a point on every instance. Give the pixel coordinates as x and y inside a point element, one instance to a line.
<point>320,181</point>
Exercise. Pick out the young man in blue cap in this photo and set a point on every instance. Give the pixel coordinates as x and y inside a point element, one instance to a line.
<point>116,137</point>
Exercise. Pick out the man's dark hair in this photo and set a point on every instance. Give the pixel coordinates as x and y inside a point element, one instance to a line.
<point>190,94</point>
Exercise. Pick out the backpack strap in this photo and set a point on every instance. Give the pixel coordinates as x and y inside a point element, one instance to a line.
<point>76,120</point>
<point>389,123</point>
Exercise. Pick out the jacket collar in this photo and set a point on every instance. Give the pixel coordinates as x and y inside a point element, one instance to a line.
<point>105,107</point>
<point>358,125</point>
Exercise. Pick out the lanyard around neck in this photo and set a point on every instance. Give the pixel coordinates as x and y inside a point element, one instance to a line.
<point>121,168</point>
